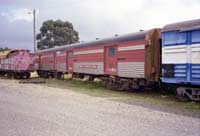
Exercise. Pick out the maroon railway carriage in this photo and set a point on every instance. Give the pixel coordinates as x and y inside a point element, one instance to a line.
<point>123,62</point>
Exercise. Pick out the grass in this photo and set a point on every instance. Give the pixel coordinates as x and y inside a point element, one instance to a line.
<point>145,97</point>
<point>90,88</point>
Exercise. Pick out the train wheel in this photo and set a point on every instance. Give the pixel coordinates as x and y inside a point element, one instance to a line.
<point>2,74</point>
<point>123,85</point>
<point>74,75</point>
<point>180,94</point>
<point>111,84</point>
<point>10,75</point>
<point>59,75</point>
<point>17,76</point>
<point>46,75</point>
<point>183,98</point>
<point>134,86</point>
<point>81,76</point>
<point>91,78</point>
<point>52,75</point>
<point>21,75</point>
<point>104,81</point>
<point>27,75</point>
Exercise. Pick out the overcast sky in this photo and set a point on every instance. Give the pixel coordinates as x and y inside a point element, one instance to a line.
<point>91,18</point>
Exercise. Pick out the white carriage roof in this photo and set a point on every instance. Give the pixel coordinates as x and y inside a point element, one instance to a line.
<point>122,38</point>
<point>182,26</point>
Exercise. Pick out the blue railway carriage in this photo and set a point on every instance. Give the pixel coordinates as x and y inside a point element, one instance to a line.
<point>181,57</point>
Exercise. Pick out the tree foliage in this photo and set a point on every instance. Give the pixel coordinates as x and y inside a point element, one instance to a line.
<point>56,33</point>
<point>5,49</point>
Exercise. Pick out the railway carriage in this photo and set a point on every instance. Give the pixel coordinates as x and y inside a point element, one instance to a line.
<point>181,57</point>
<point>16,63</point>
<point>123,62</point>
<point>46,64</point>
<point>143,59</point>
<point>61,61</point>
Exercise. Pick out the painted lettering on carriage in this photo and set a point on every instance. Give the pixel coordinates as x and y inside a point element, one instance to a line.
<point>88,66</point>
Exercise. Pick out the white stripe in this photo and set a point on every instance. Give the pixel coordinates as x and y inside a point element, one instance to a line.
<point>195,47</point>
<point>175,49</point>
<point>133,47</point>
<point>181,54</point>
<point>46,56</point>
<point>195,54</point>
<point>88,52</point>
<point>61,55</point>
<point>175,54</point>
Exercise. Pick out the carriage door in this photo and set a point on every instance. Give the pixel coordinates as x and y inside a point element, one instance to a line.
<point>111,60</point>
<point>70,61</point>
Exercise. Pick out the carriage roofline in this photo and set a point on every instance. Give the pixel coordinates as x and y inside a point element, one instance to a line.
<point>122,38</point>
<point>5,54</point>
<point>182,26</point>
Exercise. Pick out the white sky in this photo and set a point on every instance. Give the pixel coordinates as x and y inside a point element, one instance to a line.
<point>91,18</point>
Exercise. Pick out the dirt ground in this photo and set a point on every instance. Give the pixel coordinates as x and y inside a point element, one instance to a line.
<point>38,110</point>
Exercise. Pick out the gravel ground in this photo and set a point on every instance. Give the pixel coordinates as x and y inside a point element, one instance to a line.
<point>36,110</point>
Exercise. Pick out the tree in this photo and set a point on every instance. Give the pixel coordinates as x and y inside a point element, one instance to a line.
<point>56,33</point>
<point>5,49</point>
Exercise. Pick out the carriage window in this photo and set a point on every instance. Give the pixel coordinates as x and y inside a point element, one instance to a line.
<point>171,38</point>
<point>181,37</point>
<point>70,55</point>
<point>196,36</point>
<point>111,52</point>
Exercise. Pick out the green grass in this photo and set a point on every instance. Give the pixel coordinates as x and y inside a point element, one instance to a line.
<point>90,88</point>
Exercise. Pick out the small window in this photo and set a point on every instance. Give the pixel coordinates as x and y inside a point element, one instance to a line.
<point>70,55</point>
<point>196,36</point>
<point>111,52</point>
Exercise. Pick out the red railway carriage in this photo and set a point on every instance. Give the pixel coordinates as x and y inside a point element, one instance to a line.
<point>89,60</point>
<point>61,61</point>
<point>46,63</point>
<point>123,62</point>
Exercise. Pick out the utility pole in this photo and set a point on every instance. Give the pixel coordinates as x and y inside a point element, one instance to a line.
<point>34,40</point>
